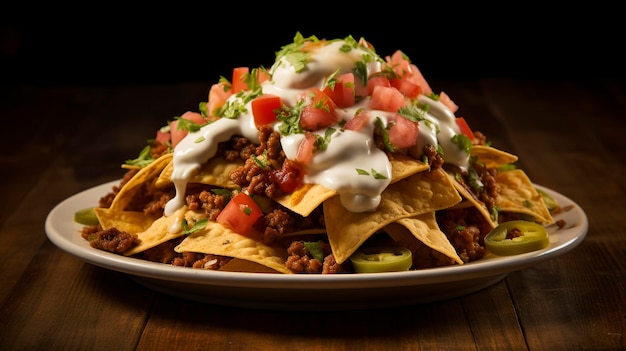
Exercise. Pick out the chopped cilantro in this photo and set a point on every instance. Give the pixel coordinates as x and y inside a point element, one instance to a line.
<point>197,226</point>
<point>507,167</point>
<point>374,173</point>
<point>225,193</point>
<point>315,249</point>
<point>378,175</point>
<point>331,81</point>
<point>384,131</point>
<point>413,113</point>
<point>321,143</point>
<point>144,158</point>
<point>202,107</point>
<point>232,109</point>
<point>360,72</point>
<point>473,180</point>
<point>290,118</point>
<point>261,161</point>
<point>463,142</point>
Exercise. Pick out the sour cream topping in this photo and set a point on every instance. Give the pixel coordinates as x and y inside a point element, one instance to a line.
<point>351,164</point>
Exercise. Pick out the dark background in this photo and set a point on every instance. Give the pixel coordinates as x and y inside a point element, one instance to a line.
<point>111,45</point>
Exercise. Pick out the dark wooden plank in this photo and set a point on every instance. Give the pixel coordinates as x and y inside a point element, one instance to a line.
<point>86,135</point>
<point>559,153</point>
<point>63,303</point>
<point>436,326</point>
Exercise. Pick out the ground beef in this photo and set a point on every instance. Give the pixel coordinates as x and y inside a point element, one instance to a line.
<point>481,183</point>
<point>256,174</point>
<point>479,138</point>
<point>435,161</point>
<point>301,260</point>
<point>106,200</point>
<point>255,178</point>
<point>111,240</point>
<point>158,149</point>
<point>466,230</point>
<point>164,253</point>
<point>207,201</point>
<point>332,267</point>
<point>276,223</point>
<point>155,207</point>
<point>489,190</point>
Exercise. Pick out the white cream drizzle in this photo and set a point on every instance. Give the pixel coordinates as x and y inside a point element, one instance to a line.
<point>336,167</point>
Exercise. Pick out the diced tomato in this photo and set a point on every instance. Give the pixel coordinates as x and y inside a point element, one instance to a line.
<point>195,117</point>
<point>377,79</point>
<point>176,134</point>
<point>262,76</point>
<point>447,101</point>
<point>358,122</point>
<point>218,94</point>
<point>342,93</point>
<point>406,87</point>
<point>240,214</point>
<point>405,69</point>
<point>162,137</point>
<point>403,133</point>
<point>265,108</point>
<point>306,149</point>
<point>386,99</point>
<point>465,128</point>
<point>290,177</point>
<point>319,112</point>
<point>239,76</point>
<point>418,78</point>
<point>400,63</point>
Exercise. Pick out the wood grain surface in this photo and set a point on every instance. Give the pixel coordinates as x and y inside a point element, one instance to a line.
<point>570,136</point>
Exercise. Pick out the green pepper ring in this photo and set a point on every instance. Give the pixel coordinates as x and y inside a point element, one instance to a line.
<point>535,237</point>
<point>381,259</point>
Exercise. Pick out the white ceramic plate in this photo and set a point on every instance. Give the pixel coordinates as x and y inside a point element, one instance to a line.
<point>304,291</point>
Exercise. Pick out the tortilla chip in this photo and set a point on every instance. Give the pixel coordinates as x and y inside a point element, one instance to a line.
<point>424,228</point>
<point>519,195</point>
<point>239,265</point>
<point>216,239</point>
<point>418,194</point>
<point>469,196</point>
<point>403,166</point>
<point>214,172</point>
<point>462,205</point>
<point>492,157</point>
<point>125,195</point>
<point>309,196</point>
<point>162,230</point>
<point>126,221</point>
<point>306,198</point>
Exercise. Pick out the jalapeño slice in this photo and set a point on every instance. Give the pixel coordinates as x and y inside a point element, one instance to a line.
<point>381,259</point>
<point>86,216</point>
<point>516,237</point>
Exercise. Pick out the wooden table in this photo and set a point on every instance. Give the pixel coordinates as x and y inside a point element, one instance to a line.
<point>59,140</point>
